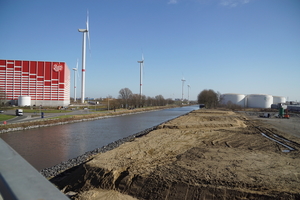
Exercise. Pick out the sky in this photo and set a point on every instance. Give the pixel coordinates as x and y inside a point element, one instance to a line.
<point>229,46</point>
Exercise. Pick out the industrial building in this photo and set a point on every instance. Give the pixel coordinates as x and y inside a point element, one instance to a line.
<point>252,100</point>
<point>29,83</point>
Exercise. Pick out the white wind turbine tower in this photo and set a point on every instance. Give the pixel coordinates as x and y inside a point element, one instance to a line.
<point>182,88</point>
<point>141,72</point>
<point>75,70</point>
<point>84,31</point>
<point>188,94</point>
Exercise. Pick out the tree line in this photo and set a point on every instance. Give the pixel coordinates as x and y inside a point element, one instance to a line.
<point>127,99</point>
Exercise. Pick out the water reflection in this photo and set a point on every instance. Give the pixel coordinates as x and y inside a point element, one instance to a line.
<point>45,147</point>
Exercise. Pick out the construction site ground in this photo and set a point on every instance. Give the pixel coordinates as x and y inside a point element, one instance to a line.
<point>207,154</point>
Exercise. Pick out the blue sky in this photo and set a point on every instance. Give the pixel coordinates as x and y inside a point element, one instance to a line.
<point>230,46</point>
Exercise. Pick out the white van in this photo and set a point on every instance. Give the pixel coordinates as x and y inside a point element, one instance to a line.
<point>19,112</point>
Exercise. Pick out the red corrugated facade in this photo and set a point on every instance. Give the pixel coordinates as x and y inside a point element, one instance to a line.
<point>42,81</point>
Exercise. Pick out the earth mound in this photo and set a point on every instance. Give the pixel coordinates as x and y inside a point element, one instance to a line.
<point>207,154</point>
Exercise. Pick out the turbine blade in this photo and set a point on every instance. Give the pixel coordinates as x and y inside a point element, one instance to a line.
<point>78,76</point>
<point>88,31</point>
<point>143,64</point>
<point>89,43</point>
<point>87,20</point>
<point>87,23</point>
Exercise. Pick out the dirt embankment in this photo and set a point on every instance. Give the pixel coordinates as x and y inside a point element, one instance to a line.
<point>206,154</point>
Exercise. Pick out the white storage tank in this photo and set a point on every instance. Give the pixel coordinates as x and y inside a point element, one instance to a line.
<point>238,99</point>
<point>259,100</point>
<point>279,99</point>
<point>24,101</point>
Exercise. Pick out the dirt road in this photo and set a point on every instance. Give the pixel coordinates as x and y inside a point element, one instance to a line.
<point>207,154</point>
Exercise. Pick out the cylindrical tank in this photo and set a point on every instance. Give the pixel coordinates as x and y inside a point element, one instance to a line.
<point>259,100</point>
<point>24,101</point>
<point>278,99</point>
<point>238,99</point>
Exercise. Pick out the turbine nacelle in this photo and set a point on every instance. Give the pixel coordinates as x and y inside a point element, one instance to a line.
<point>142,61</point>
<point>82,30</point>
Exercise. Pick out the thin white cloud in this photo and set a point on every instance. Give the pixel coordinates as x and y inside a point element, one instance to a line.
<point>173,2</point>
<point>233,3</point>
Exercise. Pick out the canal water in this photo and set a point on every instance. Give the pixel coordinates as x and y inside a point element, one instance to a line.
<point>46,147</point>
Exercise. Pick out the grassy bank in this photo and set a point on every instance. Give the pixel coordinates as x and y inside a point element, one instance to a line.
<point>74,118</point>
<point>6,117</point>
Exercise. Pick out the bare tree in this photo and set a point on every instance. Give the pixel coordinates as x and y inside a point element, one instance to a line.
<point>160,100</point>
<point>209,98</point>
<point>135,100</point>
<point>125,94</point>
<point>149,101</point>
<point>169,101</point>
<point>139,100</point>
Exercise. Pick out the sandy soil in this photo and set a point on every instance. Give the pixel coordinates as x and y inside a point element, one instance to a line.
<point>207,154</point>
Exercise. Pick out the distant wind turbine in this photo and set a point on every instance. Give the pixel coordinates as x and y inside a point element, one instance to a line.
<point>141,72</point>
<point>84,31</point>
<point>75,70</point>
<point>182,88</point>
<point>188,93</point>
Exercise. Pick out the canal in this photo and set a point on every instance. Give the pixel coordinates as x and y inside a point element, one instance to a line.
<point>46,147</point>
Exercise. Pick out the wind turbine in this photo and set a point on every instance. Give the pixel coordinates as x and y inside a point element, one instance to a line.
<point>182,88</point>
<point>75,70</point>
<point>141,77</point>
<point>84,31</point>
<point>188,94</point>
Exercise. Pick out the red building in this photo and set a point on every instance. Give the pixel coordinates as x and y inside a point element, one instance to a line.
<point>46,83</point>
